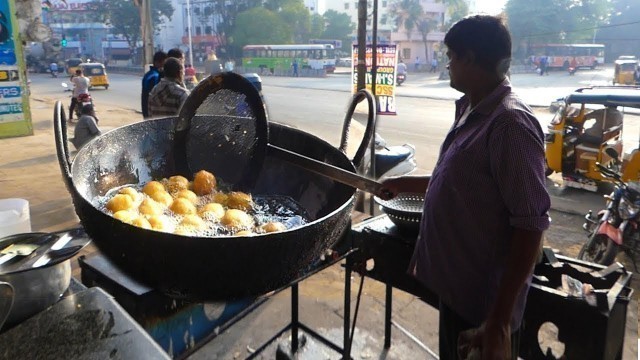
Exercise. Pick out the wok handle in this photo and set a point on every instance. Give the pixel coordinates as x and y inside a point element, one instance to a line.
<point>369,130</point>
<point>62,147</point>
<point>333,172</point>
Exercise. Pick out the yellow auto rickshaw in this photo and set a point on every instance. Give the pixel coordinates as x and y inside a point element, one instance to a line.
<point>587,123</point>
<point>97,73</point>
<point>625,71</point>
<point>72,65</point>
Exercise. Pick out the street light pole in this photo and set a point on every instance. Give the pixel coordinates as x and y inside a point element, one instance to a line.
<point>189,32</point>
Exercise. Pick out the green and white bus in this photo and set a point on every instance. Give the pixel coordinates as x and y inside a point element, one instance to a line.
<point>281,57</point>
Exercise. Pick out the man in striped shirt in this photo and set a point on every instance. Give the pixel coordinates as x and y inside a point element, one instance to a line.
<point>486,205</point>
<point>166,98</point>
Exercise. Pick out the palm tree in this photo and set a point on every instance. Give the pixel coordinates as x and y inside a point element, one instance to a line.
<point>407,14</point>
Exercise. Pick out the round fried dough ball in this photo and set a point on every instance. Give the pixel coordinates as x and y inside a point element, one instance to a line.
<point>186,194</point>
<point>213,210</point>
<point>160,222</point>
<point>244,233</point>
<point>220,198</point>
<point>193,221</point>
<point>141,222</point>
<point>120,202</point>
<point>177,183</point>
<point>135,195</point>
<point>239,200</point>
<point>152,187</point>
<point>238,219</point>
<point>274,226</point>
<point>150,207</point>
<point>182,206</point>
<point>125,216</point>
<point>204,183</point>
<point>162,197</point>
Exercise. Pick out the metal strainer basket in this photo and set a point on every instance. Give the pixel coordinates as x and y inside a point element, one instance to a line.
<point>405,210</point>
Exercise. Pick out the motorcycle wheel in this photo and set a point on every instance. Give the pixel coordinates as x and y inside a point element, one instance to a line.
<point>599,249</point>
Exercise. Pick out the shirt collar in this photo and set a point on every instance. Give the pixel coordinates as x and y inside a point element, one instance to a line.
<point>488,104</point>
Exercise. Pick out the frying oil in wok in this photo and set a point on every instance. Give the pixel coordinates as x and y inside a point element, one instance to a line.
<point>265,209</point>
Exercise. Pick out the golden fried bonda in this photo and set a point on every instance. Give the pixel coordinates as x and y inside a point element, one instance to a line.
<point>162,197</point>
<point>176,183</point>
<point>135,195</point>
<point>120,202</point>
<point>182,206</point>
<point>211,210</point>
<point>152,187</point>
<point>274,226</point>
<point>204,183</point>
<point>244,233</point>
<point>125,216</point>
<point>236,219</point>
<point>192,221</point>
<point>239,200</point>
<point>160,222</point>
<point>141,222</point>
<point>186,194</point>
<point>150,207</point>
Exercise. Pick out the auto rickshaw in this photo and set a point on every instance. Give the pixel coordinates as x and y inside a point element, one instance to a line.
<point>72,65</point>
<point>587,122</point>
<point>625,71</point>
<point>97,73</point>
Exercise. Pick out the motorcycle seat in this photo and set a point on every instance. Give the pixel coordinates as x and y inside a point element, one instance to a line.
<point>387,159</point>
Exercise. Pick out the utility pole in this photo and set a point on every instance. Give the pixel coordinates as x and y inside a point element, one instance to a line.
<point>362,44</point>
<point>147,31</point>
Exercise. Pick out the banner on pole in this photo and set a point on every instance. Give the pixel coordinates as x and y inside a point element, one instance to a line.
<point>385,89</point>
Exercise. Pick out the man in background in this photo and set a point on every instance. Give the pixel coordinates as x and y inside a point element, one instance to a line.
<point>86,128</point>
<point>80,86</point>
<point>167,97</point>
<point>150,79</point>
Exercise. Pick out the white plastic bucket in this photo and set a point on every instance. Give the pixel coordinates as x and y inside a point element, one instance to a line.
<point>14,217</point>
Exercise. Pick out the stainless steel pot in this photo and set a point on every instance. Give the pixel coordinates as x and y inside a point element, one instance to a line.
<point>35,288</point>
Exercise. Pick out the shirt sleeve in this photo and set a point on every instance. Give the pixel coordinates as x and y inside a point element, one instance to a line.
<point>93,127</point>
<point>517,163</point>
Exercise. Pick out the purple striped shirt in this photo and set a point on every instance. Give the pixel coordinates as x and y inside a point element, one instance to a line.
<point>489,179</point>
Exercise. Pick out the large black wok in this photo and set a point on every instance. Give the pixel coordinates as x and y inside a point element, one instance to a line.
<point>195,267</point>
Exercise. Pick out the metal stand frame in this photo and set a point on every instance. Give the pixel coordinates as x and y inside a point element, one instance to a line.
<point>295,325</point>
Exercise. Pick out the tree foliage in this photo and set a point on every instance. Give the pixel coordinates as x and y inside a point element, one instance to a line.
<point>554,21</point>
<point>251,25</point>
<point>124,16</point>
<point>621,34</point>
<point>456,10</point>
<point>338,26</point>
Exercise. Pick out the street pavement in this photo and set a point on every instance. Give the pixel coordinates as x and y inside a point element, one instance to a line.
<point>29,169</point>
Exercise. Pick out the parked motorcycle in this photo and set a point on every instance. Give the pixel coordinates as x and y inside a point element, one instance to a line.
<point>400,78</point>
<point>390,161</point>
<point>617,227</point>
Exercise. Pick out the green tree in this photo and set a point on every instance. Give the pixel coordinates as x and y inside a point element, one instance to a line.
<point>296,16</point>
<point>338,26</point>
<point>620,32</point>
<point>424,27</point>
<point>407,14</point>
<point>317,26</point>
<point>251,24</point>
<point>225,15</point>
<point>456,10</point>
<point>124,16</point>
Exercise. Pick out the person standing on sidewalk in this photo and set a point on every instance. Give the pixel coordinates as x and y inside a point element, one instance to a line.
<point>150,79</point>
<point>434,65</point>
<point>81,85</point>
<point>167,97</point>
<point>295,67</point>
<point>486,205</point>
<point>417,63</point>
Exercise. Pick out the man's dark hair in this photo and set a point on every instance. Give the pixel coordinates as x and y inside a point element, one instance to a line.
<point>172,68</point>
<point>487,37</point>
<point>87,109</point>
<point>159,57</point>
<point>175,53</point>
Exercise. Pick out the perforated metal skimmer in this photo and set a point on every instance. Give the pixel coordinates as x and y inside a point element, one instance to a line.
<point>405,210</point>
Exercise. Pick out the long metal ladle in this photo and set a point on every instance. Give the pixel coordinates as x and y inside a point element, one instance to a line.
<point>261,146</point>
